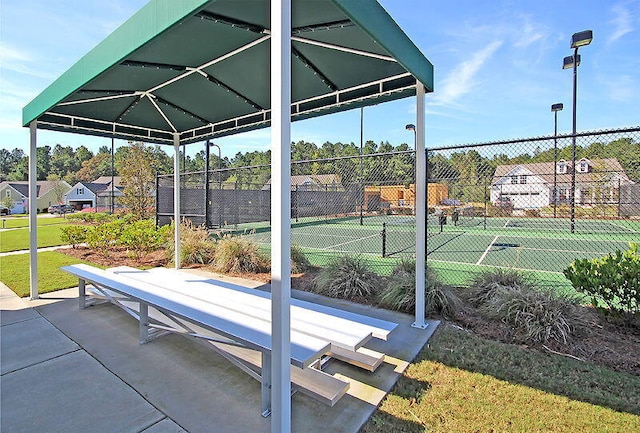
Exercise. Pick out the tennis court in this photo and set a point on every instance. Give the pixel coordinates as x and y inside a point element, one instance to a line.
<point>542,245</point>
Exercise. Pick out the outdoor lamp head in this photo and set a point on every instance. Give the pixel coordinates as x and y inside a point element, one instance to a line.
<point>557,107</point>
<point>410,127</point>
<point>567,63</point>
<point>581,39</point>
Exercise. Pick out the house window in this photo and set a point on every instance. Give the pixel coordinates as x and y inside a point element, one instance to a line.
<point>79,191</point>
<point>584,167</point>
<point>523,179</point>
<point>514,179</point>
<point>562,168</point>
<point>7,193</point>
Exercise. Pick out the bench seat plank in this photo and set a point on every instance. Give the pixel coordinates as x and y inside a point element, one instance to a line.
<point>340,332</point>
<point>239,327</point>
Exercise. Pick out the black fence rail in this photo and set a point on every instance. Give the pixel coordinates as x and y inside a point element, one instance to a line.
<point>524,204</point>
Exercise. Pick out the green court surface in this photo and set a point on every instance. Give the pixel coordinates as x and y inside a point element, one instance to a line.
<point>542,245</point>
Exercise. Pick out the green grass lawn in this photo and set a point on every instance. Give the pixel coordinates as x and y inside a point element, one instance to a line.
<point>462,383</point>
<point>18,222</point>
<point>14,240</point>
<point>14,272</point>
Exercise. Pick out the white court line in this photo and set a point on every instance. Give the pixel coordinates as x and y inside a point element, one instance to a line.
<point>349,242</point>
<point>565,251</point>
<point>487,250</point>
<point>506,224</point>
<point>623,227</point>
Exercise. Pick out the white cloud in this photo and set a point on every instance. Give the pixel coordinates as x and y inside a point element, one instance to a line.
<point>622,23</point>
<point>622,89</point>
<point>462,79</point>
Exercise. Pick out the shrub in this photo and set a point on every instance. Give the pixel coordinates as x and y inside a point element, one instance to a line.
<point>485,286</point>
<point>105,236</point>
<point>141,237</point>
<point>347,277</point>
<point>612,280</point>
<point>537,316</point>
<point>74,235</point>
<point>237,254</point>
<point>399,293</point>
<point>196,247</point>
<point>299,262</point>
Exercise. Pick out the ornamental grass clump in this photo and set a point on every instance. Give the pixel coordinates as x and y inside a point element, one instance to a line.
<point>196,247</point>
<point>399,293</point>
<point>237,254</point>
<point>534,315</point>
<point>485,286</point>
<point>537,316</point>
<point>299,262</point>
<point>347,277</point>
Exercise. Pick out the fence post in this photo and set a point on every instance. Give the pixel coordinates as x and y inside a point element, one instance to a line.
<point>237,206</point>
<point>296,202</point>
<point>207,223</point>
<point>486,203</point>
<point>157,198</point>
<point>619,196</point>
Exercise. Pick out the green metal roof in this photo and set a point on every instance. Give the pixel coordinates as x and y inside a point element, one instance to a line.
<point>201,68</point>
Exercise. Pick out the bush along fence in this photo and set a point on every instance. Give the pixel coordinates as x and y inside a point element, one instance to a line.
<point>527,205</point>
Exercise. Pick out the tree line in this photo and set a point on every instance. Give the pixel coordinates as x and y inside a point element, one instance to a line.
<point>468,169</point>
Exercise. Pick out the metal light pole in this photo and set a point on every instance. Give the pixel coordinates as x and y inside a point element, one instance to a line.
<point>555,108</point>
<point>112,173</point>
<point>578,40</point>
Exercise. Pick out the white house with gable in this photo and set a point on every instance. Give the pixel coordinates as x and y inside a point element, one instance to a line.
<point>540,184</point>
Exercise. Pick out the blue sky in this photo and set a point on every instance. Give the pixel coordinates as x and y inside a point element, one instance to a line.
<point>498,69</point>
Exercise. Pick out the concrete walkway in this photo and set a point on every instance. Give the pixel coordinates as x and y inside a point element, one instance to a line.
<point>70,370</point>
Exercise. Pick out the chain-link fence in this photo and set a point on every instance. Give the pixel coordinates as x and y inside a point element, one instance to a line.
<point>521,204</point>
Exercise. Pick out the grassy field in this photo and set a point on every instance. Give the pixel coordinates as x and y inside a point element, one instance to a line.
<point>19,222</point>
<point>15,240</point>
<point>14,272</point>
<point>463,383</point>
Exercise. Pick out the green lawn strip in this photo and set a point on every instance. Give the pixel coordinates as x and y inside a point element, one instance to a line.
<point>12,223</point>
<point>15,240</point>
<point>14,272</point>
<point>463,383</point>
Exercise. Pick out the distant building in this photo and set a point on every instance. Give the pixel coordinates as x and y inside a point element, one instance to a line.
<point>531,186</point>
<point>48,193</point>
<point>91,195</point>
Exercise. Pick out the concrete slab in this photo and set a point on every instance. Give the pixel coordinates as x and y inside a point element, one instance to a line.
<point>165,426</point>
<point>72,393</point>
<point>30,342</point>
<point>12,308</point>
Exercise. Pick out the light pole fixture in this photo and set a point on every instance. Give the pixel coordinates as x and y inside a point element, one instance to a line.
<point>412,127</point>
<point>554,109</point>
<point>578,40</point>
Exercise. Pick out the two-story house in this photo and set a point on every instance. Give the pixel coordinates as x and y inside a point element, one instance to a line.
<point>48,193</point>
<point>540,184</point>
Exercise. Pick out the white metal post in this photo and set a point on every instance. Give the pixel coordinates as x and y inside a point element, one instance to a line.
<point>176,200</point>
<point>33,211</point>
<point>280,215</point>
<point>421,212</point>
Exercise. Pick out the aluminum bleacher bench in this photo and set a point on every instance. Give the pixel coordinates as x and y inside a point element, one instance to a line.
<point>236,321</point>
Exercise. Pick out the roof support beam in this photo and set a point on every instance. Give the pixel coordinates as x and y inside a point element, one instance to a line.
<point>230,22</point>
<point>323,26</point>
<point>280,216</point>
<point>100,98</point>
<point>343,49</point>
<point>164,116</point>
<point>315,70</point>
<point>421,214</point>
<point>217,82</point>
<point>33,211</point>
<point>176,201</point>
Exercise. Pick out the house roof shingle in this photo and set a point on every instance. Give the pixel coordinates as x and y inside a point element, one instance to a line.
<point>545,170</point>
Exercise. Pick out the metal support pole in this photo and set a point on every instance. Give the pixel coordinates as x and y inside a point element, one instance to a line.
<point>207,200</point>
<point>113,170</point>
<point>361,165</point>
<point>176,201</point>
<point>33,211</point>
<point>572,194</point>
<point>555,164</point>
<point>281,216</point>
<point>157,199</point>
<point>421,215</point>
